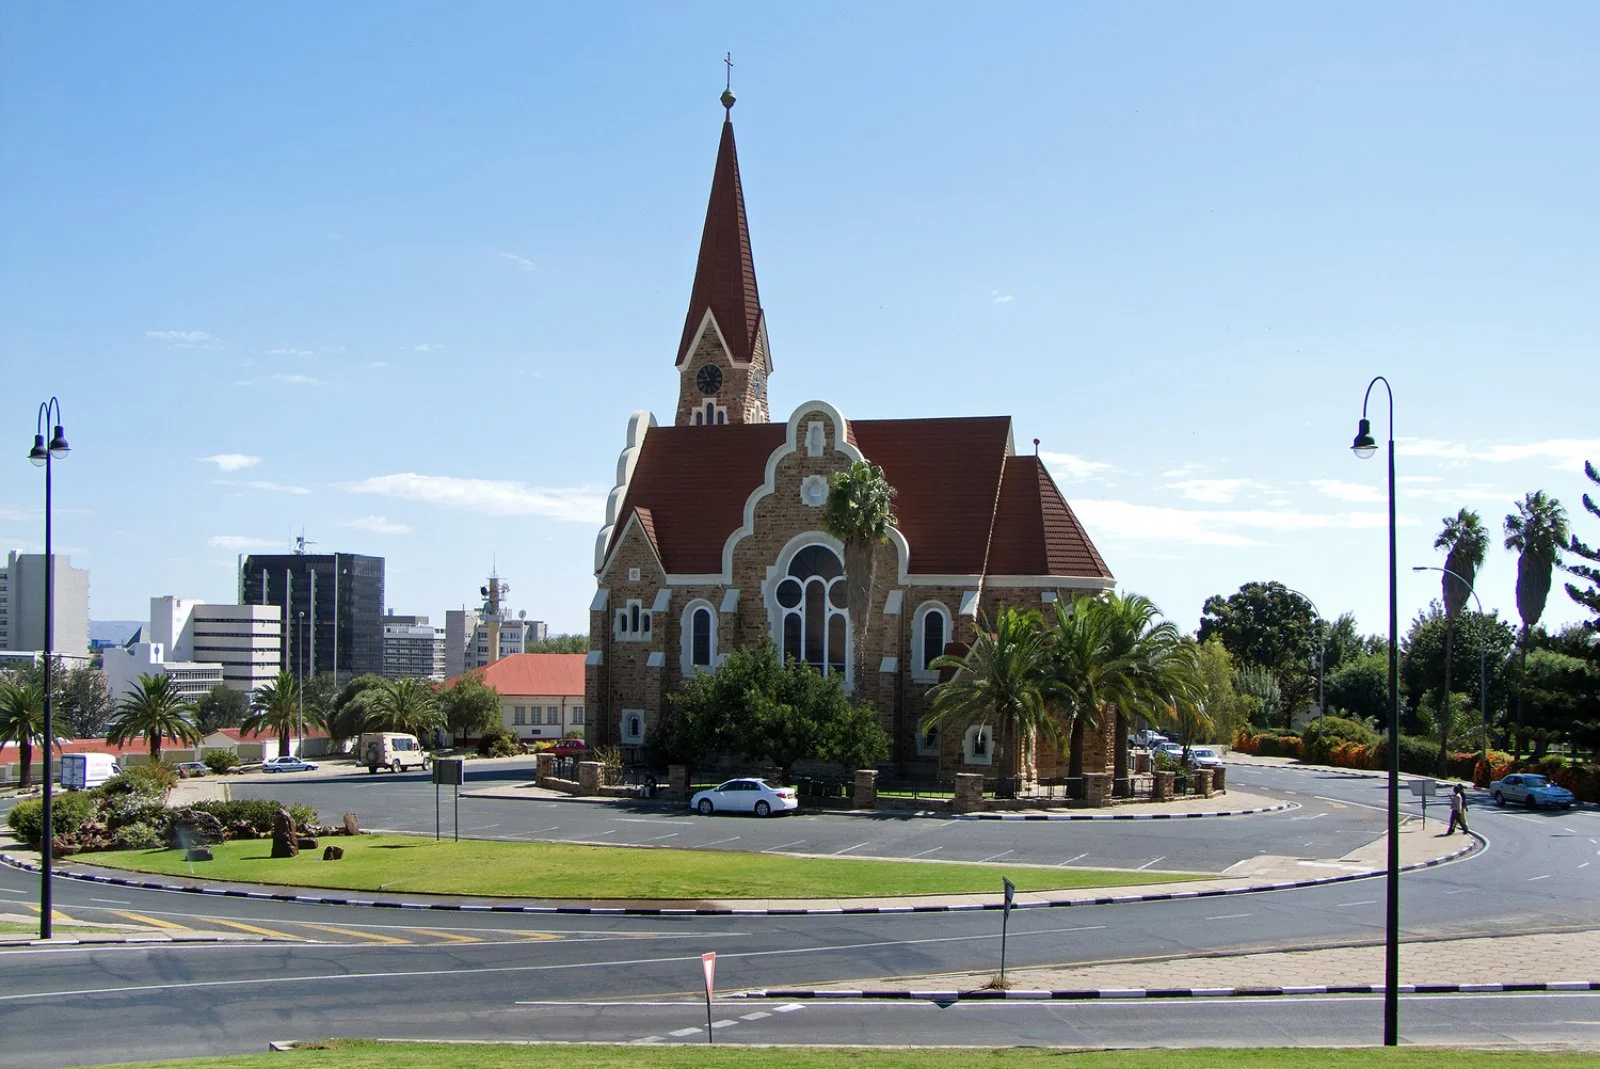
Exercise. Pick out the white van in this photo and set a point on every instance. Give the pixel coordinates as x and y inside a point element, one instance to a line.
<point>81,771</point>
<point>392,750</point>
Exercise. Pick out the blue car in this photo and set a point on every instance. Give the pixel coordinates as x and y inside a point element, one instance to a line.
<point>1531,790</point>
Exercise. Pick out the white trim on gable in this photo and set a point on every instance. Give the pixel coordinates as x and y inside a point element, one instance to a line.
<point>663,599</point>
<point>598,602</point>
<point>891,604</point>
<point>730,600</point>
<point>633,521</point>
<point>969,603</point>
<point>657,659</point>
<point>639,424</point>
<point>698,336</point>
<point>595,657</point>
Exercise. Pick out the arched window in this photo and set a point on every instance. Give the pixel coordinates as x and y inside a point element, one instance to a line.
<point>699,636</point>
<point>812,601</point>
<point>930,631</point>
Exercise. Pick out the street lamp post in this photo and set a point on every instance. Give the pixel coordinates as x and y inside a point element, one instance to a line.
<point>1483,662</point>
<point>42,455</point>
<point>1364,446</point>
<point>299,689</point>
<point>1322,649</point>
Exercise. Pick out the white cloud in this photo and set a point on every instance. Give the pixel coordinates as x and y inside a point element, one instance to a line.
<point>1340,490</point>
<point>1219,491</point>
<point>239,543</point>
<point>183,339</point>
<point>428,348</point>
<point>1564,452</point>
<point>290,352</point>
<point>375,364</point>
<point>232,461</point>
<point>492,497</point>
<point>263,485</point>
<point>996,297</point>
<point>298,380</point>
<point>377,525</point>
<point>521,261</point>
<point>1070,468</point>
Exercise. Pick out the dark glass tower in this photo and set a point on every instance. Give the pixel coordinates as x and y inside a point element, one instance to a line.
<point>332,605</point>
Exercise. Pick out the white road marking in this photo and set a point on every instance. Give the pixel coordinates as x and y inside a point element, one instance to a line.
<point>109,901</point>
<point>714,842</point>
<point>1230,916</point>
<point>1546,876</point>
<point>1070,860</point>
<point>788,1007</point>
<point>1363,902</point>
<point>652,820</point>
<point>679,1034</point>
<point>1341,802</point>
<point>756,1016</point>
<point>1313,816</point>
<point>785,846</point>
<point>1582,866</point>
<point>714,1024</point>
<point>847,849</point>
<point>1147,864</point>
<point>919,853</point>
<point>652,839</point>
<point>995,857</point>
<point>9,891</point>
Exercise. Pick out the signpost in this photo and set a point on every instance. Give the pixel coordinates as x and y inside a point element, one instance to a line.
<point>708,962</point>
<point>448,770</point>
<point>1424,789</point>
<point>1005,918</point>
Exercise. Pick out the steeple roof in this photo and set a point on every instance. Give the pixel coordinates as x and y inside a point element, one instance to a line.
<point>725,276</point>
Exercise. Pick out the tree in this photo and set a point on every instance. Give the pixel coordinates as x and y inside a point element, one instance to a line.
<point>1267,626</point>
<point>1465,542</point>
<point>277,709</point>
<point>1538,532</point>
<point>407,705</point>
<point>1589,573</point>
<point>859,512</point>
<point>1261,684</point>
<point>350,712</point>
<point>222,707</point>
<point>1422,661</point>
<point>1561,695</point>
<point>470,707</point>
<point>998,680</point>
<point>82,703</point>
<point>1224,709</point>
<point>155,711</point>
<point>22,722</point>
<point>1161,674</point>
<point>1359,690</point>
<point>559,644</point>
<point>1344,642</point>
<point>757,708</point>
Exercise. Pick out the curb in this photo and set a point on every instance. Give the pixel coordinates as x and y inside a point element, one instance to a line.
<point>1129,816</point>
<point>1109,994</point>
<point>139,940</point>
<point>1474,842</point>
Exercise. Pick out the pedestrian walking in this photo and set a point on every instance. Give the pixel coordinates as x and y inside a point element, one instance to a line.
<point>1458,810</point>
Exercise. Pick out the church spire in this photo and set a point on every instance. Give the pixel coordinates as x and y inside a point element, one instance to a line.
<point>725,328</point>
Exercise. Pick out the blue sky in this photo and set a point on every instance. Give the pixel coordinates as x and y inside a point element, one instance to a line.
<point>396,274</point>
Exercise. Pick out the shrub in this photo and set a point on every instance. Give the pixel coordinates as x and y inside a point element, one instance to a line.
<point>1280,746</point>
<point>499,742</point>
<point>1417,756</point>
<point>139,837</point>
<point>68,812</point>
<point>1324,734</point>
<point>252,818</point>
<point>220,761</point>
<point>150,781</point>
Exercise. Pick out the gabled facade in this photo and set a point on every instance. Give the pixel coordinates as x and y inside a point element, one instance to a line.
<point>714,537</point>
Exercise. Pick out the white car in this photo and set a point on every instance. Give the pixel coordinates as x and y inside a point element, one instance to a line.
<point>1204,757</point>
<point>1173,750</point>
<point>745,796</point>
<point>288,764</point>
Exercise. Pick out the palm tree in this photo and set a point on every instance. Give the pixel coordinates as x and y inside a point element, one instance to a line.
<point>859,512</point>
<point>999,680</point>
<point>276,709</point>
<point>154,710</point>
<point>1537,531</point>
<point>408,705</point>
<point>22,722</point>
<point>1465,542</point>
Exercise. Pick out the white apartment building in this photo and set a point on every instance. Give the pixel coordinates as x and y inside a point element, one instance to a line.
<point>22,605</point>
<point>247,640</point>
<point>125,664</point>
<point>460,630</point>
<point>513,640</point>
<point>412,648</point>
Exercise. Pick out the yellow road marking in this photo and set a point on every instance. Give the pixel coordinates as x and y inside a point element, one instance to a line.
<point>154,922</point>
<point>535,935</point>
<point>450,937</point>
<point>372,937</point>
<point>243,927</point>
<point>55,914</point>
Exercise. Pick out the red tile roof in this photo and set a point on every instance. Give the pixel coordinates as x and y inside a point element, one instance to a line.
<point>1035,532</point>
<point>955,482</point>
<point>725,276</point>
<point>540,674</point>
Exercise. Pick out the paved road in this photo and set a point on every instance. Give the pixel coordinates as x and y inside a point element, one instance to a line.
<point>460,975</point>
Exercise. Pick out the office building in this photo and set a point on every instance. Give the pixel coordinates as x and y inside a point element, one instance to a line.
<point>412,648</point>
<point>330,607</point>
<point>247,640</point>
<point>22,605</point>
<point>460,631</point>
<point>125,664</point>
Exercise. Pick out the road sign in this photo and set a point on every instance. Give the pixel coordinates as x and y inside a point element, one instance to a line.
<point>708,962</point>
<point>1011,891</point>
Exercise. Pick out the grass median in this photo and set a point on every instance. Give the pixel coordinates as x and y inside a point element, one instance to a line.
<point>362,1054</point>
<point>419,865</point>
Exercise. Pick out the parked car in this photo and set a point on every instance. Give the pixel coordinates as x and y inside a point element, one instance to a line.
<point>1531,790</point>
<point>288,764</point>
<point>1149,739</point>
<point>745,796</point>
<point>81,771</point>
<point>186,769</point>
<point>1204,757</point>
<point>564,747</point>
<point>1173,750</point>
<point>393,750</point>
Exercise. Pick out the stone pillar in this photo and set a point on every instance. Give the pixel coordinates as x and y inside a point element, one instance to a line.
<point>1200,780</point>
<point>589,777</point>
<point>678,782</point>
<point>545,768</point>
<point>969,792</point>
<point>1162,791</point>
<point>866,792</point>
<point>1219,779</point>
<point>1141,763</point>
<point>1097,789</point>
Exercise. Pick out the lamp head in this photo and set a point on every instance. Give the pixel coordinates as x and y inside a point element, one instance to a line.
<point>58,443</point>
<point>1364,445</point>
<point>38,454</point>
<point>1419,567</point>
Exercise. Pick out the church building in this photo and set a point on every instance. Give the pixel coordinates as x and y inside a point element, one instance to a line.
<point>713,536</point>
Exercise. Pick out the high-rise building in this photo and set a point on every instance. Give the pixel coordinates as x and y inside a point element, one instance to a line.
<point>124,665</point>
<point>460,631</point>
<point>412,648</point>
<point>330,607</point>
<point>22,605</point>
<point>513,639</point>
<point>247,640</point>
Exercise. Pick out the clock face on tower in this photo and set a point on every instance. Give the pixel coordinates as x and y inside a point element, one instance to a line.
<point>709,379</point>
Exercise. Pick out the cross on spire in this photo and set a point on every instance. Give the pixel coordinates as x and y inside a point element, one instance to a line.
<point>727,58</point>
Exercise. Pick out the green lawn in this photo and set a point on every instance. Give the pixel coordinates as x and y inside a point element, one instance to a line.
<point>361,1054</point>
<point>401,863</point>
